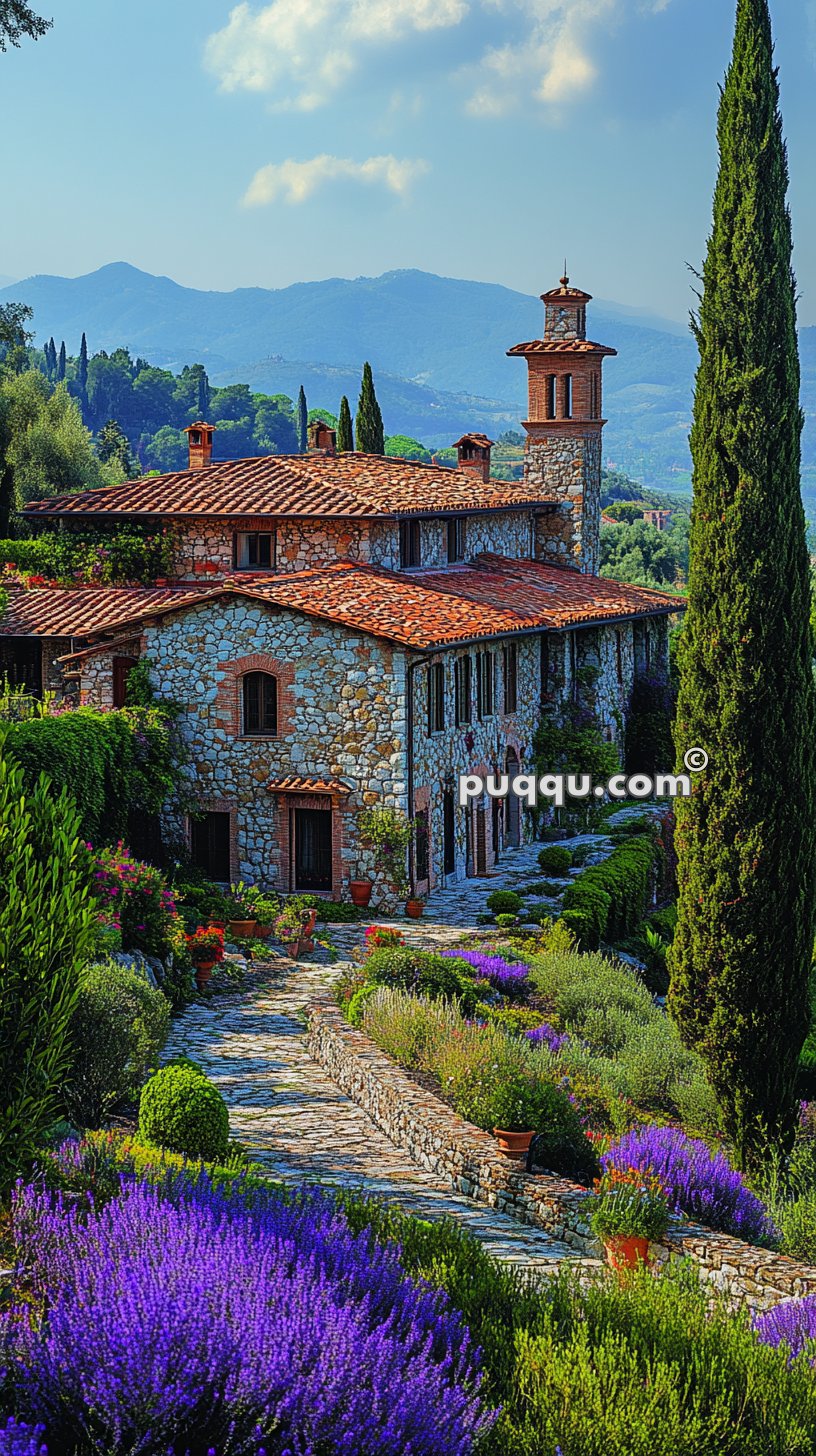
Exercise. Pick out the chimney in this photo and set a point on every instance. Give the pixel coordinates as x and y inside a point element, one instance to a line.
<point>473,454</point>
<point>322,440</point>
<point>199,445</point>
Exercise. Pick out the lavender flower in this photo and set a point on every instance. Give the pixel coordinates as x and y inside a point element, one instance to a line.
<point>701,1184</point>
<point>180,1316</point>
<point>792,1323</point>
<point>547,1036</point>
<point>506,976</point>
<point>21,1440</point>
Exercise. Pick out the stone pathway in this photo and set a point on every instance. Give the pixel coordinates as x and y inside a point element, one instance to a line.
<point>299,1126</point>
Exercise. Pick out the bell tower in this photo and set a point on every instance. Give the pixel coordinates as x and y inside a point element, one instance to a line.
<point>564,425</point>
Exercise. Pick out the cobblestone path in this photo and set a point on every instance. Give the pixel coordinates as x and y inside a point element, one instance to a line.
<point>299,1126</point>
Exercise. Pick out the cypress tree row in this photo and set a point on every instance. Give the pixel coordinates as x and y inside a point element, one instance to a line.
<point>369,422</point>
<point>345,438</point>
<point>302,421</point>
<point>746,839</point>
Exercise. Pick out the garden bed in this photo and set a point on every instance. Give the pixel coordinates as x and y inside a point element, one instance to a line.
<point>439,1140</point>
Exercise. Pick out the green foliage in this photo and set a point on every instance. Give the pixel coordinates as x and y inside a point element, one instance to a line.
<point>627,1204</point>
<point>421,971</point>
<point>572,744</point>
<point>387,832</point>
<point>134,895</point>
<point>369,423</point>
<point>515,1019</point>
<point>118,1028</point>
<point>746,839</point>
<point>638,553</point>
<point>302,421</point>
<point>48,448</point>
<point>118,765</point>
<point>607,901</point>
<point>339,912</point>
<point>649,745</point>
<point>345,436</point>
<point>504,902</point>
<point>405,448</point>
<point>46,933</point>
<point>554,859</point>
<point>110,559</point>
<point>505,921</point>
<point>180,1110</point>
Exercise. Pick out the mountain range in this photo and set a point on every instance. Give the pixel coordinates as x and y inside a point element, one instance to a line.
<point>436,345</point>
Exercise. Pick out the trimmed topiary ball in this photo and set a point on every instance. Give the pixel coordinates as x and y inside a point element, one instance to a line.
<point>180,1110</point>
<point>555,859</point>
<point>504,902</point>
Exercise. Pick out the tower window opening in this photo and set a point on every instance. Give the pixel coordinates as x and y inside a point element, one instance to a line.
<point>567,396</point>
<point>550,402</point>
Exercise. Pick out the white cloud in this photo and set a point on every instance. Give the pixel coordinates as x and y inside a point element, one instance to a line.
<point>301,52</point>
<point>294,182</point>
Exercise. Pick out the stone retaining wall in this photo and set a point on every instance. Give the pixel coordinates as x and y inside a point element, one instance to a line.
<point>437,1139</point>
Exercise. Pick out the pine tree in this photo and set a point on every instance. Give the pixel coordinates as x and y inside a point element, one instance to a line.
<point>62,362</point>
<point>746,837</point>
<point>369,423</point>
<point>345,438</point>
<point>302,421</point>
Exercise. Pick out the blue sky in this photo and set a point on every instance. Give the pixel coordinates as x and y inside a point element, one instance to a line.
<point>272,143</point>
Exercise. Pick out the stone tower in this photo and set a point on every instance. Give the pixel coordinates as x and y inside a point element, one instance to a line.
<point>562,452</point>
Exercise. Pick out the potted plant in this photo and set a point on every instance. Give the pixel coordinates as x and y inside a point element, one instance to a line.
<point>387,832</point>
<point>414,906</point>
<point>630,1211</point>
<point>241,920</point>
<point>289,928</point>
<point>265,908</point>
<point>360,891</point>
<point>205,946</point>
<point>514,1115</point>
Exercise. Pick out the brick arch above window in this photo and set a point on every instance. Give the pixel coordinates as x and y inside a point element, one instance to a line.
<point>229,694</point>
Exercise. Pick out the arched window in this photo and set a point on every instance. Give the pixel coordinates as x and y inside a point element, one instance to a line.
<point>260,703</point>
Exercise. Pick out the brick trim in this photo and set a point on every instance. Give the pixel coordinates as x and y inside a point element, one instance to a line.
<point>228,692</point>
<point>220,806</point>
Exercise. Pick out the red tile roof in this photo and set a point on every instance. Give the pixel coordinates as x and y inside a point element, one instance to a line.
<point>428,609</point>
<point>561,346</point>
<point>348,485</point>
<point>79,611</point>
<point>303,784</point>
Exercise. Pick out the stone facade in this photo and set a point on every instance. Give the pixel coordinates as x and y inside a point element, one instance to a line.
<point>567,466</point>
<point>441,1142</point>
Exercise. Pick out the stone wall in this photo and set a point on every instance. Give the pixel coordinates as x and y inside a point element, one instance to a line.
<point>440,1141</point>
<point>567,465</point>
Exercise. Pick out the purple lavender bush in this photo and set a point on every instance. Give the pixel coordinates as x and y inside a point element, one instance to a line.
<point>21,1440</point>
<point>701,1184</point>
<point>507,976</point>
<point>177,1316</point>
<point>546,1036</point>
<point>791,1323</point>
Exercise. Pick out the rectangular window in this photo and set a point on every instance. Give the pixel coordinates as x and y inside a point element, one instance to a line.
<point>462,676</point>
<point>456,539</point>
<point>511,677</point>
<point>567,396</point>
<point>551,386</point>
<point>410,551</point>
<point>121,668</point>
<point>260,715</point>
<point>485,674</point>
<point>436,697</point>
<point>422,846</point>
<point>210,845</point>
<point>593,394</point>
<point>253,550</point>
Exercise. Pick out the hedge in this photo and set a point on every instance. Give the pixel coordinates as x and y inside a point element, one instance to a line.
<point>608,901</point>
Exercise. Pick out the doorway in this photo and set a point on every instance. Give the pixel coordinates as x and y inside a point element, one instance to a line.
<point>210,845</point>
<point>312,829</point>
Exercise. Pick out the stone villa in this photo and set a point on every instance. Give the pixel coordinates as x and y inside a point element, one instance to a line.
<point>345,630</point>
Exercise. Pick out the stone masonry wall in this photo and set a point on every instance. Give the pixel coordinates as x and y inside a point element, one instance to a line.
<point>440,1141</point>
<point>568,466</point>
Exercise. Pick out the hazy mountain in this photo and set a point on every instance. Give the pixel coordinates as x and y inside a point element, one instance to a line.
<point>437,347</point>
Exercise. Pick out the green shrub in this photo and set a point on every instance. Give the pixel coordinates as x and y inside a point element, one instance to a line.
<point>47,931</point>
<point>504,902</point>
<point>554,859</point>
<point>337,912</point>
<point>180,1110</point>
<point>515,1019</point>
<point>118,1028</point>
<point>403,967</point>
<point>505,922</point>
<point>607,901</point>
<point>356,1005</point>
<point>410,1029</point>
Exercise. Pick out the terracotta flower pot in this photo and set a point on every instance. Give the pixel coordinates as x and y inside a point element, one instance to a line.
<point>216,924</point>
<point>241,927</point>
<point>262,932</point>
<point>309,925</point>
<point>360,891</point>
<point>626,1252</point>
<point>413,909</point>
<point>292,948</point>
<point>203,973</point>
<point>515,1145</point>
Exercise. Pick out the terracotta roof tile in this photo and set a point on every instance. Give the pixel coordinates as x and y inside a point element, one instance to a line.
<point>79,611</point>
<point>303,784</point>
<point>561,346</point>
<point>348,485</point>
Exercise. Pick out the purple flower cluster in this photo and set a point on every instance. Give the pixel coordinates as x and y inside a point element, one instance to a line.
<point>701,1184</point>
<point>506,976</point>
<point>178,1316</point>
<point>792,1323</point>
<point>21,1440</point>
<point>547,1036</point>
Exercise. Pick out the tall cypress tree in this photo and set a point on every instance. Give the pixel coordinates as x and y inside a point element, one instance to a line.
<point>61,362</point>
<point>302,421</point>
<point>369,422</point>
<point>51,358</point>
<point>746,839</point>
<point>82,374</point>
<point>345,438</point>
